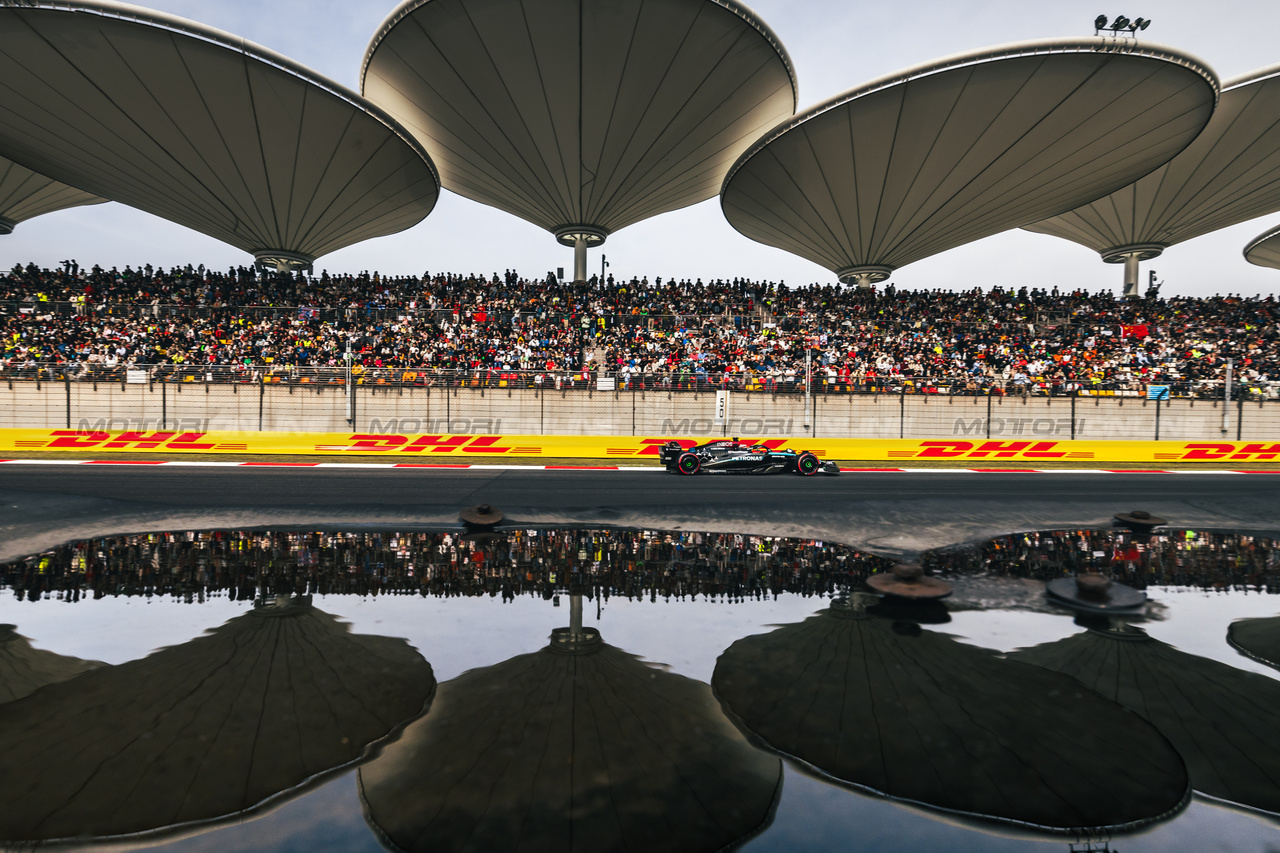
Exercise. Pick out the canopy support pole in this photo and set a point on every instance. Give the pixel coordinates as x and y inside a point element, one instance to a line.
<point>575,639</point>
<point>575,614</point>
<point>1131,256</point>
<point>580,237</point>
<point>1131,275</point>
<point>865,275</point>
<point>580,258</point>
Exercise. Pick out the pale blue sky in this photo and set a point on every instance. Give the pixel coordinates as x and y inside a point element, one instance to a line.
<point>834,45</point>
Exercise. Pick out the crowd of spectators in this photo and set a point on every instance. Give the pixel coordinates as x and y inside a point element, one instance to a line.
<point>193,324</point>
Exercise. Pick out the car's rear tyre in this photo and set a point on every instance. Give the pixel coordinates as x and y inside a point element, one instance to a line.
<point>688,463</point>
<point>807,464</point>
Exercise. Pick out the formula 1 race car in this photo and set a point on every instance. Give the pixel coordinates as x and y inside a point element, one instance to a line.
<point>730,456</point>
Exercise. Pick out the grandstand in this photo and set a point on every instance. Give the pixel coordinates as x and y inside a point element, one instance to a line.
<point>504,330</point>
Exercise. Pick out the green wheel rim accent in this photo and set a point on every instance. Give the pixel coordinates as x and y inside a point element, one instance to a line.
<point>688,464</point>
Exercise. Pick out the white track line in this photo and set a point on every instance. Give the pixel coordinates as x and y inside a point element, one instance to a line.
<point>389,466</point>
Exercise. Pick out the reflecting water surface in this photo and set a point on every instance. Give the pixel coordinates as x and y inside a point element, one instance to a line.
<point>1220,720</point>
<point>639,690</point>
<point>911,713</point>
<point>578,746</point>
<point>24,668</point>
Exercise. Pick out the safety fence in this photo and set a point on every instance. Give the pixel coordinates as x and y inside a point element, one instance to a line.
<point>329,401</point>
<point>821,380</point>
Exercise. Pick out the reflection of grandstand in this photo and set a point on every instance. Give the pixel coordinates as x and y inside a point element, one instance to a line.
<point>1217,560</point>
<point>545,563</point>
<point>597,563</point>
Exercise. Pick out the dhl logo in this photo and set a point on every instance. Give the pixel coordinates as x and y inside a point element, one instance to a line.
<point>360,443</point>
<point>1193,452</point>
<point>989,450</point>
<point>1251,452</point>
<point>140,440</point>
<point>190,441</point>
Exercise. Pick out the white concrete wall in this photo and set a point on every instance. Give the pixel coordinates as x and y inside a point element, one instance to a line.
<point>320,408</point>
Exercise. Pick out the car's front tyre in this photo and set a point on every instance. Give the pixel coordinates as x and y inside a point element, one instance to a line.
<point>807,464</point>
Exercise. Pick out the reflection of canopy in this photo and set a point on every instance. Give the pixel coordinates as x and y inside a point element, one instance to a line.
<point>1231,173</point>
<point>24,669</point>
<point>1258,638</point>
<point>26,195</point>
<point>203,730</point>
<point>594,113</point>
<point>1221,720</point>
<point>204,129</point>
<point>1264,250</point>
<point>571,752</point>
<point>939,155</point>
<point>918,716</point>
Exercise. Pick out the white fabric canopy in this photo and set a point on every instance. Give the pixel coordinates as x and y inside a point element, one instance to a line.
<point>581,112</point>
<point>25,194</point>
<point>940,155</point>
<point>204,129</point>
<point>1230,174</point>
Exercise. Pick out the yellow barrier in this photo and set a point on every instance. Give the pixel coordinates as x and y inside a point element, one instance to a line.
<point>463,449</point>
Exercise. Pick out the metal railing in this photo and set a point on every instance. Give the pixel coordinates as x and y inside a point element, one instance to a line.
<point>191,398</point>
<point>775,382</point>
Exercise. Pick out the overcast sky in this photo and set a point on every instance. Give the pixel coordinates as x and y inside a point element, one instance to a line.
<point>835,46</point>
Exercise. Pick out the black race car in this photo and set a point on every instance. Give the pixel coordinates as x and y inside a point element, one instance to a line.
<point>730,456</point>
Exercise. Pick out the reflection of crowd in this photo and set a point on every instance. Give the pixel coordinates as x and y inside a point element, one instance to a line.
<point>669,334</point>
<point>246,566</point>
<point>1206,560</point>
<point>632,564</point>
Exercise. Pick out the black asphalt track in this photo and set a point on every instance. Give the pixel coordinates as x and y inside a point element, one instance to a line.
<point>558,489</point>
<point>893,513</point>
